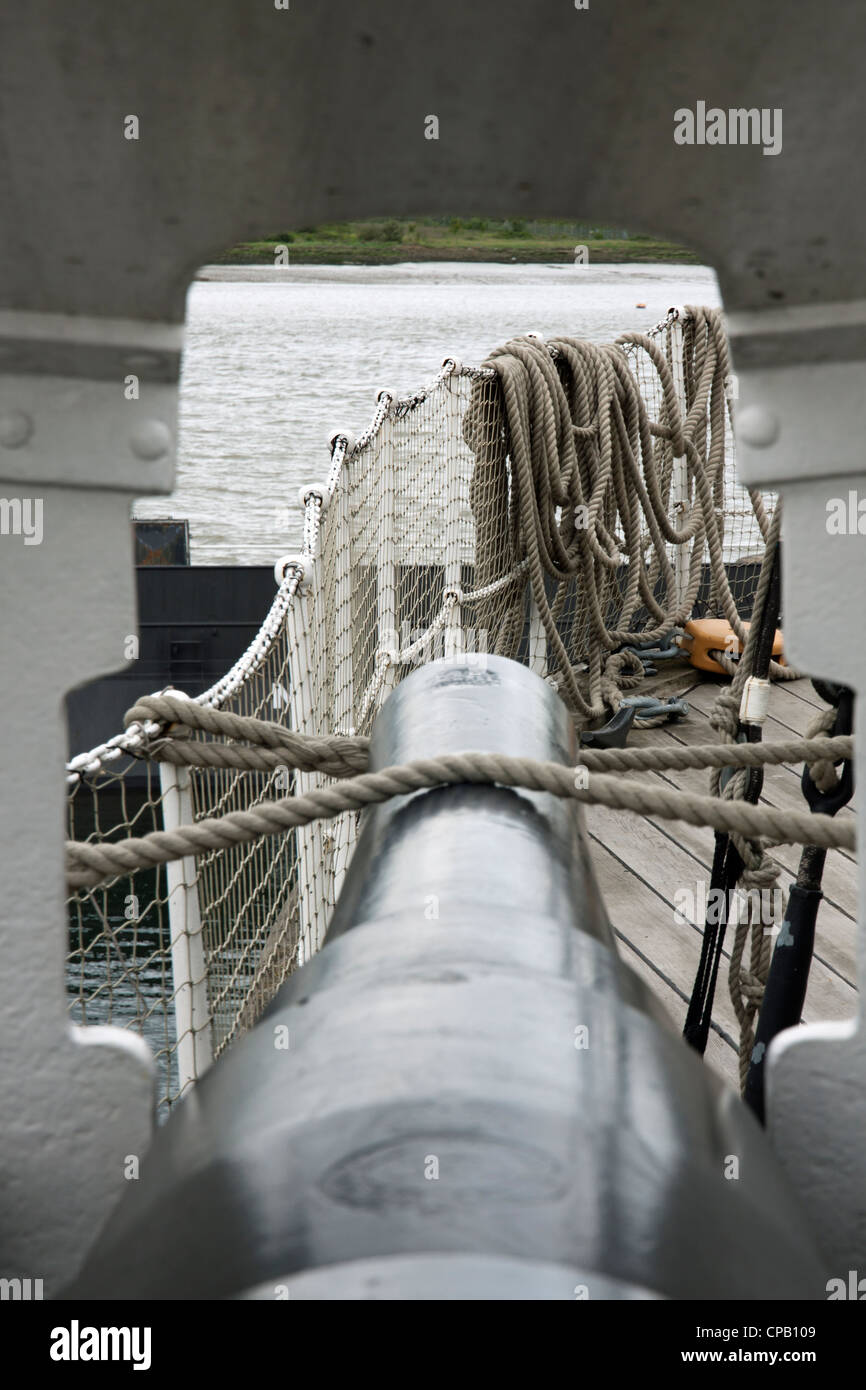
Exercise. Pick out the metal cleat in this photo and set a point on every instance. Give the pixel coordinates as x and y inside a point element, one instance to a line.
<point>613,734</point>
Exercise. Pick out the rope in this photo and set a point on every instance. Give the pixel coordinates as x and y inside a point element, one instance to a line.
<point>338,755</point>
<point>738,755</point>
<point>335,755</point>
<point>571,418</point>
<point>821,769</point>
<point>759,871</point>
<point>193,753</point>
<point>88,863</point>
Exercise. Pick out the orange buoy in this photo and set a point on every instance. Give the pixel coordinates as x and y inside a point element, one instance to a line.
<point>704,635</point>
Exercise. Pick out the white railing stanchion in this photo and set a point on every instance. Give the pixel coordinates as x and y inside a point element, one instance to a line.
<point>386,571</point>
<point>322,860</point>
<point>537,640</point>
<point>189,973</point>
<point>680,472</point>
<point>344,683</point>
<point>303,721</point>
<point>453,568</point>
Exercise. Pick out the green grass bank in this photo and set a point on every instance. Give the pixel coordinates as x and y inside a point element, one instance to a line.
<point>391,240</point>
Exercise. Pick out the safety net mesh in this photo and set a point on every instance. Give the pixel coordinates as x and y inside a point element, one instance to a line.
<point>434,532</point>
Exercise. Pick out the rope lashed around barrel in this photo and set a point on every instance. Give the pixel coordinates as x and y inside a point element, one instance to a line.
<point>273,746</point>
<point>333,756</point>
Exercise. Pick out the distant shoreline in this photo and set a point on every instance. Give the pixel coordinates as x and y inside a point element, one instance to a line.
<point>477,240</point>
<point>527,255</point>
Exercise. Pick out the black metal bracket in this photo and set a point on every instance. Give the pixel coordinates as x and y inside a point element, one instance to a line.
<point>614,733</point>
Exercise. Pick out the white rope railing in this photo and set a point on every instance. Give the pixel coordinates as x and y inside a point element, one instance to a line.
<point>344,445</point>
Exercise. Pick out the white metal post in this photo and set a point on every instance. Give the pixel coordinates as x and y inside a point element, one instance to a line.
<point>189,975</point>
<point>537,639</point>
<point>322,876</point>
<point>344,683</point>
<point>680,477</point>
<point>386,573</point>
<point>302,714</point>
<point>453,569</point>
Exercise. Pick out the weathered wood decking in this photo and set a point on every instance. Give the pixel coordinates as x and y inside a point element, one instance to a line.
<point>642,863</point>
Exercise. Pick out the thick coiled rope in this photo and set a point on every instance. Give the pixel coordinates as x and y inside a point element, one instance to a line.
<point>585,460</point>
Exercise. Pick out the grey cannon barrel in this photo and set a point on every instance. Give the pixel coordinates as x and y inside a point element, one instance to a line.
<point>477,1100</point>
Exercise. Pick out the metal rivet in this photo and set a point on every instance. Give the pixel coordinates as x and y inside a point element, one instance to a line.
<point>150,440</point>
<point>16,428</point>
<point>758,426</point>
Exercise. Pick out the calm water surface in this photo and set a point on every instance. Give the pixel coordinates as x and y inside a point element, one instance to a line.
<point>276,359</point>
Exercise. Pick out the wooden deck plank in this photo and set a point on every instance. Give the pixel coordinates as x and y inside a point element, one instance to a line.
<point>646,919</point>
<point>622,894</point>
<point>782,783</point>
<point>836,933</point>
<point>840,876</point>
<point>642,862</point>
<point>786,721</point>
<point>836,944</point>
<point>789,717</point>
<point>794,714</point>
<point>669,869</point>
<point>837,928</point>
<point>832,991</point>
<point>805,691</point>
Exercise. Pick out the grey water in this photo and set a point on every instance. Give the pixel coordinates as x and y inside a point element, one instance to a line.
<point>278,358</point>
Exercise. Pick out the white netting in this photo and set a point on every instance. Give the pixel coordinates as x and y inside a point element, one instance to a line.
<point>413,549</point>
